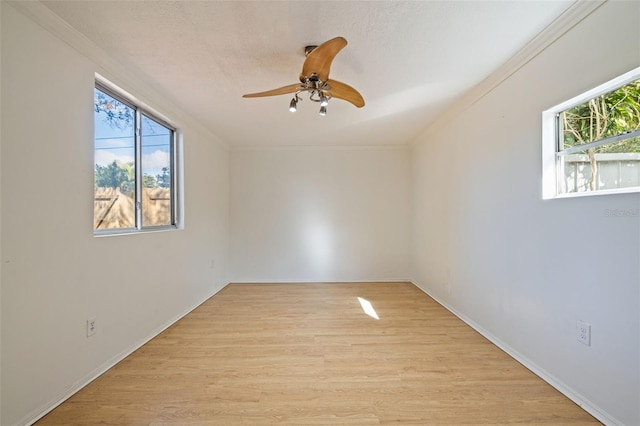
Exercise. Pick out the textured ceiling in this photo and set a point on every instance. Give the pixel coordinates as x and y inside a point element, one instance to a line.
<point>409,60</point>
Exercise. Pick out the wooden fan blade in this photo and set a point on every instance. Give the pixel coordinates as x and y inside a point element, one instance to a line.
<point>344,91</point>
<point>279,91</point>
<point>319,60</point>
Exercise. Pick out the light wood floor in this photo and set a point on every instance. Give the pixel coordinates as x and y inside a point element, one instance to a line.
<point>307,354</point>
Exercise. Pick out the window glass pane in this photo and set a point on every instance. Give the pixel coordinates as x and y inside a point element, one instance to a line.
<point>114,158</point>
<point>156,143</point>
<point>608,115</point>
<point>611,164</point>
<point>592,171</point>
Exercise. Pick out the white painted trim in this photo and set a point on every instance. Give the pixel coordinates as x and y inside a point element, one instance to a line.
<point>576,397</point>
<point>394,280</point>
<point>137,83</point>
<point>606,87</point>
<point>630,190</point>
<point>122,75</point>
<point>550,169</point>
<point>604,157</point>
<point>549,164</point>
<point>319,147</point>
<point>40,412</point>
<point>563,388</point>
<point>1,252</point>
<point>575,14</point>
<point>130,98</point>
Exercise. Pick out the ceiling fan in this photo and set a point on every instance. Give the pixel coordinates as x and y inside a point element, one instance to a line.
<point>315,80</point>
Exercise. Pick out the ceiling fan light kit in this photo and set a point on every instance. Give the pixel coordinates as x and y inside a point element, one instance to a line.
<point>293,105</point>
<point>315,80</point>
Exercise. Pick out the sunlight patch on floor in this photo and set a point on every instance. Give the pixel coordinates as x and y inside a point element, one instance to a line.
<point>367,307</point>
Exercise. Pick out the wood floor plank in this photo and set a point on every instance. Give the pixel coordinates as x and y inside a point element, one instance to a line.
<point>307,354</point>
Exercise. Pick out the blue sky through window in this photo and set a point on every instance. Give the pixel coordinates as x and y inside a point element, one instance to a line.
<point>115,138</point>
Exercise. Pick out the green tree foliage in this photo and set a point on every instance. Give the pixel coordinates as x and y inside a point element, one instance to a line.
<point>115,175</point>
<point>116,113</point>
<point>164,180</point>
<point>607,115</point>
<point>110,176</point>
<point>149,181</point>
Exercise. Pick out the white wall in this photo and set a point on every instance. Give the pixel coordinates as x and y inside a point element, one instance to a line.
<point>55,273</point>
<point>525,270</point>
<point>1,262</point>
<point>483,241</point>
<point>320,214</point>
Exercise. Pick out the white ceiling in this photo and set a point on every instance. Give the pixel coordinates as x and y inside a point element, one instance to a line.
<point>409,59</point>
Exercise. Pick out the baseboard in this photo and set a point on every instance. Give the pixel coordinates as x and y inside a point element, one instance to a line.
<point>576,397</point>
<point>390,280</point>
<point>39,413</point>
<point>562,387</point>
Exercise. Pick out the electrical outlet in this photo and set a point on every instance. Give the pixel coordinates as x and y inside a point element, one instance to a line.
<point>92,327</point>
<point>584,332</point>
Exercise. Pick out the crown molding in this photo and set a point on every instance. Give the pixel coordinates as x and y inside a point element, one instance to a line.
<point>571,17</point>
<point>398,147</point>
<point>132,82</point>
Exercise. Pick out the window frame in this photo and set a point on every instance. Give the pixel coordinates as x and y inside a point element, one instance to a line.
<point>141,110</point>
<point>551,140</point>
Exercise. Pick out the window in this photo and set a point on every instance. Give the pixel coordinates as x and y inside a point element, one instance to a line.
<point>592,142</point>
<point>135,167</point>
